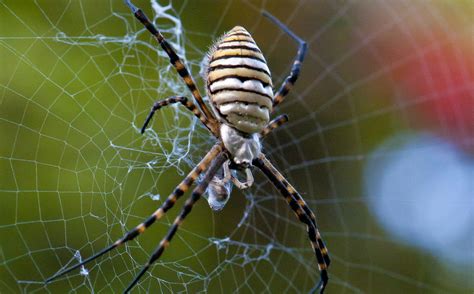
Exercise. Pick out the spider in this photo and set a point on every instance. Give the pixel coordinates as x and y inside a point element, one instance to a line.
<point>239,86</point>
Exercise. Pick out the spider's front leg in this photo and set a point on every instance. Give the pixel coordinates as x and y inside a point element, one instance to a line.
<point>186,103</point>
<point>196,195</point>
<point>159,213</point>
<point>303,213</point>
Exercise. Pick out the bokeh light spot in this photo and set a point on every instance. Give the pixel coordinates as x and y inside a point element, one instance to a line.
<point>420,189</point>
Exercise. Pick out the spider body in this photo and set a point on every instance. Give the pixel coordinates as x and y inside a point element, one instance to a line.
<point>239,83</point>
<point>240,90</point>
<point>239,86</point>
<point>243,148</point>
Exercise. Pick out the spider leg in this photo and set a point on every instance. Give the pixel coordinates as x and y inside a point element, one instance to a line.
<point>248,181</point>
<point>175,61</point>
<point>168,204</point>
<point>275,123</point>
<point>295,69</point>
<point>300,201</point>
<point>175,99</point>
<point>197,192</point>
<point>302,211</point>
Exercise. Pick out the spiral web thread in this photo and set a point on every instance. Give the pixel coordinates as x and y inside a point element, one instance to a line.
<point>80,77</point>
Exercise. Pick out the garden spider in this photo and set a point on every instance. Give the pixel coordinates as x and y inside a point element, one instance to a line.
<point>240,91</point>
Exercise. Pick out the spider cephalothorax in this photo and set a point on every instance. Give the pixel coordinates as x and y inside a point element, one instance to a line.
<point>240,90</point>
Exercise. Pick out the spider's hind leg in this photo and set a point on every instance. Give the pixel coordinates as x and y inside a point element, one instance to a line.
<point>177,63</point>
<point>275,123</point>
<point>295,69</point>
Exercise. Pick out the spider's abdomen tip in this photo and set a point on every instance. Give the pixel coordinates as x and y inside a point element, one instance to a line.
<point>238,29</point>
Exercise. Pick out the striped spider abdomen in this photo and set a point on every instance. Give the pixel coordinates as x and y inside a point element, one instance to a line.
<point>239,82</point>
<point>240,90</point>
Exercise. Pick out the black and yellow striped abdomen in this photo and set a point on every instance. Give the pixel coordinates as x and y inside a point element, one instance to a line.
<point>239,82</point>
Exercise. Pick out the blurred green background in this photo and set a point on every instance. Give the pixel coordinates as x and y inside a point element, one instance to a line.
<point>78,78</point>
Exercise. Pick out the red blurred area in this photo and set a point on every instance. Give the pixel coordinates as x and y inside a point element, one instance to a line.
<point>442,77</point>
<point>431,62</point>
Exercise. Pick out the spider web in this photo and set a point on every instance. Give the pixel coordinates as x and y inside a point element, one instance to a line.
<point>79,77</point>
